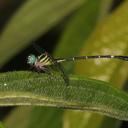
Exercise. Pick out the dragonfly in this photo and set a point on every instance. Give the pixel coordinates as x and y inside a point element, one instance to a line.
<point>44,61</point>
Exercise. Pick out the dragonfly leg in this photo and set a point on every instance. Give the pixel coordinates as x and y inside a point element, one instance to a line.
<point>63,74</point>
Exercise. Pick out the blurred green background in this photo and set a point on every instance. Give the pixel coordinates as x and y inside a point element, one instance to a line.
<point>64,28</point>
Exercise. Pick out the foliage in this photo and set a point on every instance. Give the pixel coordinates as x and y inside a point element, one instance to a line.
<point>87,28</point>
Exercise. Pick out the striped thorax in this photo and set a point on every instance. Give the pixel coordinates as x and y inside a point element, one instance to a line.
<point>44,59</point>
<point>41,62</point>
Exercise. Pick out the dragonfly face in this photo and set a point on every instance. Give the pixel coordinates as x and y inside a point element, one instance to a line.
<point>31,59</point>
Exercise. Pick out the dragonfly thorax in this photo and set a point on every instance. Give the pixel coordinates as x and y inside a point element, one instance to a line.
<point>44,60</point>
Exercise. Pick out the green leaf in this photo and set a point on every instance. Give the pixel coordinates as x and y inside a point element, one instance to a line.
<point>104,41</point>
<point>76,31</point>
<point>1,125</point>
<point>26,114</point>
<point>32,20</point>
<point>107,39</point>
<point>18,117</point>
<point>49,113</point>
<point>26,88</point>
<point>90,14</point>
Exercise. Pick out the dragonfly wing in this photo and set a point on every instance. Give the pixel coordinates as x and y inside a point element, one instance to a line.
<point>38,48</point>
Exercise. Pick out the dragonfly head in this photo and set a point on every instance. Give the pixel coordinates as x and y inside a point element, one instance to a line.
<point>31,59</point>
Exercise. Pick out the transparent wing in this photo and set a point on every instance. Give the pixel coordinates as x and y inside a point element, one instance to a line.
<point>38,48</point>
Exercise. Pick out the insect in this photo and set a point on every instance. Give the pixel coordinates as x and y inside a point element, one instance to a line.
<point>44,63</point>
<point>45,60</point>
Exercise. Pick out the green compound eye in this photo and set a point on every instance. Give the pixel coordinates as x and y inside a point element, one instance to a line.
<point>31,59</point>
